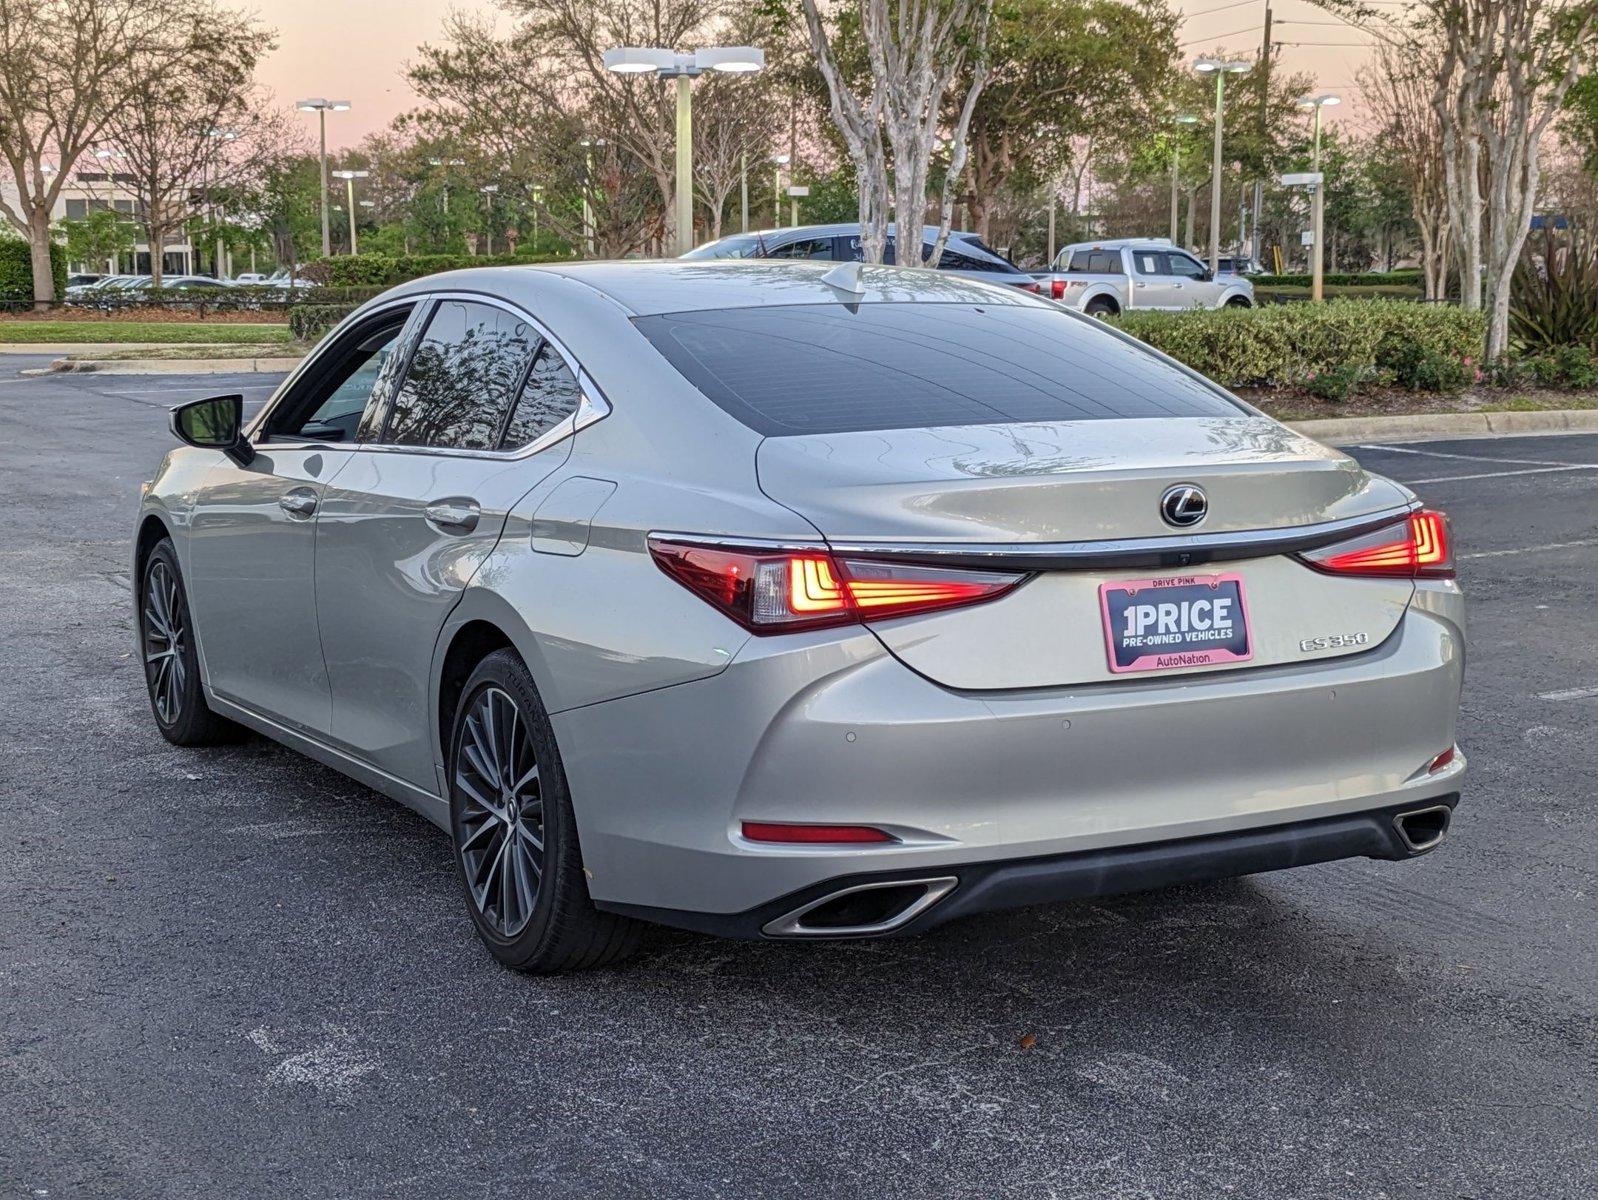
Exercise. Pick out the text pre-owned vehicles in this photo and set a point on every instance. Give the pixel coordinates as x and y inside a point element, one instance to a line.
<point>1105,278</point>
<point>963,254</point>
<point>796,600</point>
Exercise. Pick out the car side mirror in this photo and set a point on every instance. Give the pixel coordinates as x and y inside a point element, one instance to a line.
<point>216,423</point>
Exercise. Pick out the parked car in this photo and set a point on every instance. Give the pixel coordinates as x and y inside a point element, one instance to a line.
<point>83,279</point>
<point>811,601</point>
<point>1107,277</point>
<point>963,254</point>
<point>1231,264</point>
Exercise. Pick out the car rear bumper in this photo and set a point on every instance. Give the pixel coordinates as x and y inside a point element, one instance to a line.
<point>828,728</point>
<point>907,902</point>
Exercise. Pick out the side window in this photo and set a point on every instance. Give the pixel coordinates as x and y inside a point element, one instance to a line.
<point>1148,262</point>
<point>889,254</point>
<point>461,378</point>
<point>341,393</point>
<point>1079,263</point>
<point>1105,262</point>
<point>338,417</point>
<point>550,396</point>
<point>1187,267</point>
<point>805,248</point>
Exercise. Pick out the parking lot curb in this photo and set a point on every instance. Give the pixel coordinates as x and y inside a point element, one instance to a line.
<point>166,366</point>
<point>1424,426</point>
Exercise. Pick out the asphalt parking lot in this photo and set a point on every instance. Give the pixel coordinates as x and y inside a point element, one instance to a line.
<point>234,973</point>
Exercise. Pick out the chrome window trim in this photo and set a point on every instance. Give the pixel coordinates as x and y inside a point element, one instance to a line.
<point>1173,550</point>
<point>593,406</point>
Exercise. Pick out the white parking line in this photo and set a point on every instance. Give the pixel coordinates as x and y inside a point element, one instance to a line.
<point>1527,462</point>
<point>1502,474</point>
<point>1532,549</point>
<point>1586,693</point>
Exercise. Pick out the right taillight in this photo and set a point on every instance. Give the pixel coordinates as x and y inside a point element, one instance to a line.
<point>779,590</point>
<point>1417,547</point>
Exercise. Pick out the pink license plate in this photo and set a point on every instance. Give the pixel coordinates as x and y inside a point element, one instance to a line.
<point>1175,621</point>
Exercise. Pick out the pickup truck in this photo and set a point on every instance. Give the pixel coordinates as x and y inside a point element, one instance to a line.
<point>1109,277</point>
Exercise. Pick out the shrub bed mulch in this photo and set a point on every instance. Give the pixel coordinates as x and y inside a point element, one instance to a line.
<point>153,313</point>
<point>1293,404</point>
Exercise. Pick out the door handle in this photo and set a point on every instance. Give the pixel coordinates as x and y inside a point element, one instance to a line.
<point>298,502</point>
<point>453,516</point>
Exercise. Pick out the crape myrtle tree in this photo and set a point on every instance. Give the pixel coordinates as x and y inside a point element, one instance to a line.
<point>923,59</point>
<point>67,68</point>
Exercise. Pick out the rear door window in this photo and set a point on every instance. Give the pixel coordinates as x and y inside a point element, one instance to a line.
<point>822,368</point>
<point>1147,262</point>
<point>549,396</point>
<point>461,380</point>
<point>1095,262</point>
<point>821,248</point>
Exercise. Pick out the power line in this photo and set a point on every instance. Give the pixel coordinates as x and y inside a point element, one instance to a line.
<point>1222,8</point>
<point>1217,37</point>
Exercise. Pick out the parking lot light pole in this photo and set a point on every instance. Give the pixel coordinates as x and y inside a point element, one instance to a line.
<point>321,108</point>
<point>1176,168</point>
<point>489,190</point>
<point>349,178</point>
<point>1220,69</point>
<point>668,64</point>
<point>1318,198</point>
<point>778,162</point>
<point>588,145</point>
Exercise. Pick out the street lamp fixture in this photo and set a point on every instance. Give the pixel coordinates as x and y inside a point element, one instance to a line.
<point>1220,68</point>
<point>1318,196</point>
<point>321,108</point>
<point>349,178</point>
<point>669,64</point>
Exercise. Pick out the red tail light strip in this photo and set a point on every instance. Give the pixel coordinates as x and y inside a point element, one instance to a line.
<point>809,835</point>
<point>1419,546</point>
<point>778,590</point>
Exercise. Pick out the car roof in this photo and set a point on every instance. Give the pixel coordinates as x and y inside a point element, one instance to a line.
<point>647,287</point>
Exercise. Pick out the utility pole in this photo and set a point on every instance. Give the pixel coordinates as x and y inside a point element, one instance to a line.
<point>1257,246</point>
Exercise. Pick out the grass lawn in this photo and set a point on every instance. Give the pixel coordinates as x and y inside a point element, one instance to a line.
<point>209,332</point>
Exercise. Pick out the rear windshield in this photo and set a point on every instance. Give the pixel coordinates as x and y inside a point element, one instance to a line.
<point>827,368</point>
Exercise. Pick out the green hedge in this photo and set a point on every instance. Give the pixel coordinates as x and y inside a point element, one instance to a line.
<point>1361,279</point>
<point>1298,343</point>
<point>16,271</point>
<point>384,270</point>
<point>308,322</point>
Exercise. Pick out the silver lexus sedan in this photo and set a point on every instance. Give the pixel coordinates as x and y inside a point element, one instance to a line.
<point>800,601</point>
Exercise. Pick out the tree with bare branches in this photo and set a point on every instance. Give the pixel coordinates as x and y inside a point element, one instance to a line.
<point>67,67</point>
<point>197,128</point>
<point>1397,90</point>
<point>918,53</point>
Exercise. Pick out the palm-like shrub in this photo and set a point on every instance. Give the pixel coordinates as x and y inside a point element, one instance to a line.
<point>1555,302</point>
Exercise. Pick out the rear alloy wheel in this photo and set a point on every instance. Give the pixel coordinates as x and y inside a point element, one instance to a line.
<point>516,850</point>
<point>1101,308</point>
<point>171,663</point>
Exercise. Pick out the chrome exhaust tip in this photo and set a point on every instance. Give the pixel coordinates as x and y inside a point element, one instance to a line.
<point>1423,828</point>
<point>862,910</point>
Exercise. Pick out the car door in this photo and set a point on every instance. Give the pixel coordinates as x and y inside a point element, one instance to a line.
<point>1192,278</point>
<point>1152,284</point>
<point>413,515</point>
<point>251,533</point>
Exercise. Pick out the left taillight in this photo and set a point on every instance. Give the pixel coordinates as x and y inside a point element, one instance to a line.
<point>780,590</point>
<point>1417,547</point>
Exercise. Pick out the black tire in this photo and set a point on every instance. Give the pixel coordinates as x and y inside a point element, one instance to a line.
<point>1238,302</point>
<point>1101,308</point>
<point>171,658</point>
<point>494,848</point>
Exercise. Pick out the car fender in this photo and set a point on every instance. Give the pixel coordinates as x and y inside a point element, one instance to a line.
<point>1234,291</point>
<point>1095,291</point>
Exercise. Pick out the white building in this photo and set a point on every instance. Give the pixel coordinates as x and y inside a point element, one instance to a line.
<point>89,190</point>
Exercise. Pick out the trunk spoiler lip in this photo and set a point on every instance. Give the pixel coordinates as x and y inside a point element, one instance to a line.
<point>1177,550</point>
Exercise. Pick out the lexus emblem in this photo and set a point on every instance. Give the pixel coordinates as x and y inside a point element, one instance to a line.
<point>1184,505</point>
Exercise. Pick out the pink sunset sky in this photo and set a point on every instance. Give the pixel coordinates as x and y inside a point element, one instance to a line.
<point>355,50</point>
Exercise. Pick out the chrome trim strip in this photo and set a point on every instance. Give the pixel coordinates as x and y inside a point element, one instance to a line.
<point>791,924</point>
<point>1171,551</point>
<point>1177,550</point>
